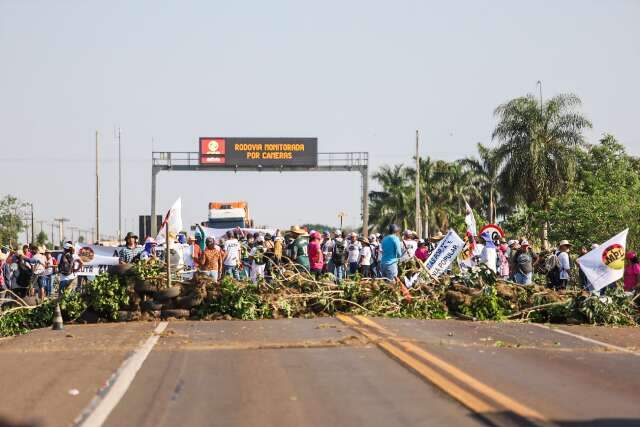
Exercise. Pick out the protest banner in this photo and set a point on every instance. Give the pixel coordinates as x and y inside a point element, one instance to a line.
<point>446,251</point>
<point>605,264</point>
<point>95,259</point>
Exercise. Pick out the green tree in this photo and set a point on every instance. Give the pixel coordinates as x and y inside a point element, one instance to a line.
<point>391,205</point>
<point>538,146</point>
<point>41,238</point>
<point>10,220</point>
<point>485,171</point>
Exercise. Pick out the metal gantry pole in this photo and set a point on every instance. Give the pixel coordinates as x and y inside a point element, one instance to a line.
<point>119,186</point>
<point>365,201</point>
<point>97,235</point>
<point>154,179</point>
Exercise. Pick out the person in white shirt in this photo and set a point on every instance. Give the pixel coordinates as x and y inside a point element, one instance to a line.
<point>258,260</point>
<point>365,258</point>
<point>353,253</point>
<point>409,245</point>
<point>565,265</point>
<point>231,259</point>
<point>38,269</point>
<point>489,255</point>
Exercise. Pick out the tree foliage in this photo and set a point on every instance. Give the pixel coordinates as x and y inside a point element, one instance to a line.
<point>10,220</point>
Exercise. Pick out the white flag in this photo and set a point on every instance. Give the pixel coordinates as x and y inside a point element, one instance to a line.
<point>470,220</point>
<point>174,218</point>
<point>605,264</point>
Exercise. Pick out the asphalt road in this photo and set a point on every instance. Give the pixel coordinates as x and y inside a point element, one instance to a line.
<point>346,371</point>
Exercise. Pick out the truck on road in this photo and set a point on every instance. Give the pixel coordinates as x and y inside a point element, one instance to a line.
<point>229,215</point>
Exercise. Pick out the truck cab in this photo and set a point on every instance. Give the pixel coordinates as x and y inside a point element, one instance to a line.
<point>224,215</point>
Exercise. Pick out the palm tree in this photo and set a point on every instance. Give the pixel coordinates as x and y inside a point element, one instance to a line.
<point>538,145</point>
<point>392,205</point>
<point>485,172</point>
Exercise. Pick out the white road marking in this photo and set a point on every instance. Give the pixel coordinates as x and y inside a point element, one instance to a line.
<point>96,413</point>
<point>589,340</point>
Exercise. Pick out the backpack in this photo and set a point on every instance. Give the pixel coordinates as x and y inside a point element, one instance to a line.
<point>259,257</point>
<point>552,266</point>
<point>66,265</point>
<point>338,252</point>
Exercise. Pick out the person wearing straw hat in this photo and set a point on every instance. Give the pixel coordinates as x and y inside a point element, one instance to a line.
<point>434,240</point>
<point>300,246</point>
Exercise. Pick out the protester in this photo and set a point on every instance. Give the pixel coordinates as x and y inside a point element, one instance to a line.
<point>51,267</point>
<point>391,252</point>
<point>338,256</point>
<point>38,268</point>
<point>246,244</point>
<point>258,259</point>
<point>131,251</point>
<point>68,266</point>
<point>503,261</point>
<point>488,256</point>
<point>149,250</point>
<point>300,247</point>
<point>326,246</point>
<point>316,258</point>
<point>210,260</point>
<point>564,262</point>
<point>434,240</point>
<point>353,249</point>
<point>231,258</point>
<point>365,257</point>
<point>422,253</point>
<point>278,247</point>
<point>524,262</point>
<point>409,245</point>
<point>374,244</point>
<point>632,272</point>
<point>192,253</point>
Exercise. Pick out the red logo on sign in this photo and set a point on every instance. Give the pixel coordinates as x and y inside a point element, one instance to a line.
<point>212,151</point>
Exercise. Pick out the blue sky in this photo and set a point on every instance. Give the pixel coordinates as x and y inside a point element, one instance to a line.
<point>359,75</point>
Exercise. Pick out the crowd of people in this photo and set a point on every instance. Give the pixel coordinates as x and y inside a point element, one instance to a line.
<point>253,256</point>
<point>33,270</point>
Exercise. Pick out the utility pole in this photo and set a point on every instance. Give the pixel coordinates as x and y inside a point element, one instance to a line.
<point>97,190</point>
<point>119,186</point>
<point>418,214</point>
<point>51,239</point>
<point>73,230</point>
<point>539,84</point>
<point>61,222</point>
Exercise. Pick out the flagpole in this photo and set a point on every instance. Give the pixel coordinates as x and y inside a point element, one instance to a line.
<point>418,214</point>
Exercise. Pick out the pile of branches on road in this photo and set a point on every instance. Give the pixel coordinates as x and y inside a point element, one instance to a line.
<point>142,292</point>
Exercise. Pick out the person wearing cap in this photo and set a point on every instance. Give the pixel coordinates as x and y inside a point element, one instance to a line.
<point>353,253</point>
<point>391,252</point>
<point>524,260</point>
<point>300,247</point>
<point>365,257</point>
<point>210,260</point>
<point>130,251</point>
<point>149,250</point>
<point>316,257</point>
<point>325,239</point>
<point>503,260</point>
<point>232,256</point>
<point>68,266</point>
<point>565,263</point>
<point>338,250</point>
<point>258,259</point>
<point>631,272</point>
<point>192,253</point>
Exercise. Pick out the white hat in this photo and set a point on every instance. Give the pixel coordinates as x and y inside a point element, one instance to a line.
<point>67,245</point>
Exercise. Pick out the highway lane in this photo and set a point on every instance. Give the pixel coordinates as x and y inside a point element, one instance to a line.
<point>349,371</point>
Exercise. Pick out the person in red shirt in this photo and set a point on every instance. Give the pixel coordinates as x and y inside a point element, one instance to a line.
<point>632,272</point>
<point>316,259</point>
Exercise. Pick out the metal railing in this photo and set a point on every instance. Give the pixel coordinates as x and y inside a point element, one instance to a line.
<point>168,159</point>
